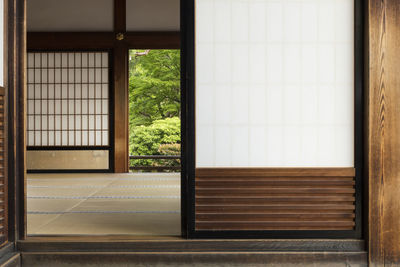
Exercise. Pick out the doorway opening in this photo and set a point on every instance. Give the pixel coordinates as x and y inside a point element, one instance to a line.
<point>154,110</point>
<point>82,178</point>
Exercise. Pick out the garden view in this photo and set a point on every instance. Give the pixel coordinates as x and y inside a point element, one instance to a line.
<point>154,106</point>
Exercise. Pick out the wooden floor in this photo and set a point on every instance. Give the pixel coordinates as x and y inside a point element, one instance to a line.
<point>104,204</point>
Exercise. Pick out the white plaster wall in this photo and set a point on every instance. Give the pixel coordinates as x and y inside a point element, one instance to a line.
<point>71,15</point>
<point>153,15</point>
<point>97,15</point>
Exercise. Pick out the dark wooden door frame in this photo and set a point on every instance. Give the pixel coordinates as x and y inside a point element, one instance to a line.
<point>3,91</point>
<point>16,88</point>
<point>188,69</point>
<point>383,131</point>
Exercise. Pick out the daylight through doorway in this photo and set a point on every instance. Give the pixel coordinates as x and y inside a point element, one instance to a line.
<point>144,202</point>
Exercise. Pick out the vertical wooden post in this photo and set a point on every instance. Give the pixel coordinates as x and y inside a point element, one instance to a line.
<point>121,135</point>
<point>383,146</point>
<point>16,109</point>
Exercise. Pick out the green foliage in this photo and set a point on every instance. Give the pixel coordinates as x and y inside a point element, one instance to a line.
<point>170,149</point>
<point>154,105</point>
<point>154,85</point>
<point>152,140</point>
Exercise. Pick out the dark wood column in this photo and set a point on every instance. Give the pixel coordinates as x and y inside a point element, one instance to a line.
<point>16,109</point>
<point>383,146</point>
<point>121,135</point>
<point>121,132</point>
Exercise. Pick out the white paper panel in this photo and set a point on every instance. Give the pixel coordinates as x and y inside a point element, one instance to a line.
<point>274,83</point>
<point>57,101</point>
<point>152,15</point>
<point>71,15</point>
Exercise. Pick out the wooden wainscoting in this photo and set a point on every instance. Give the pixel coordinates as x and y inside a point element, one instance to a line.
<point>275,199</point>
<point>3,170</point>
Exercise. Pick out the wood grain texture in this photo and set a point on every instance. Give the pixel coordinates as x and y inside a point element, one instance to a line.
<point>274,172</point>
<point>121,135</point>
<point>132,244</point>
<point>275,199</point>
<point>3,170</point>
<point>16,104</point>
<point>121,97</point>
<point>383,144</point>
<point>227,259</point>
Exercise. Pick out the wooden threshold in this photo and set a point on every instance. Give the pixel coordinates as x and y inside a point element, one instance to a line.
<point>89,244</point>
<point>239,259</point>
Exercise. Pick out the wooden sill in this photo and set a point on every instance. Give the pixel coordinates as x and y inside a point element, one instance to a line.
<point>127,244</point>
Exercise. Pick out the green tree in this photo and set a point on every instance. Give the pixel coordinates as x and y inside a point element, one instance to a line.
<point>162,137</point>
<point>154,105</point>
<point>154,85</point>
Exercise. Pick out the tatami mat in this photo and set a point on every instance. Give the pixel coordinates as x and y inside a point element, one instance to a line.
<point>104,204</point>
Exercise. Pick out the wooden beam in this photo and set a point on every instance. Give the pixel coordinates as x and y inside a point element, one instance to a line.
<point>119,16</point>
<point>69,40</point>
<point>383,144</point>
<point>101,40</point>
<point>153,40</point>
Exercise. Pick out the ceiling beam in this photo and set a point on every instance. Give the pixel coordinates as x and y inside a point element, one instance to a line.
<point>119,16</point>
<point>69,40</point>
<point>101,40</point>
<point>153,40</point>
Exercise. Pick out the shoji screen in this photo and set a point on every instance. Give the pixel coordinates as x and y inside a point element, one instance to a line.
<point>274,89</point>
<point>68,110</point>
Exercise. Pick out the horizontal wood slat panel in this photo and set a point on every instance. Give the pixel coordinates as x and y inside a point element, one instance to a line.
<point>254,226</point>
<point>3,180</point>
<point>265,200</point>
<point>275,199</point>
<point>275,217</point>
<point>271,172</point>
<point>290,183</point>
<point>299,208</point>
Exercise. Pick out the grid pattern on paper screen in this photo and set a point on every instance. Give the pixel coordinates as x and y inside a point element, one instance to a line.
<point>68,99</point>
<point>274,83</point>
